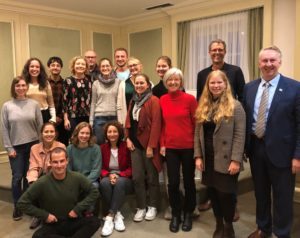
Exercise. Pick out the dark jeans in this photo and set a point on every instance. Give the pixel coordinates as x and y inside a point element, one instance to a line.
<point>175,159</point>
<point>19,166</point>
<point>114,195</point>
<point>143,170</point>
<point>223,204</point>
<point>99,122</point>
<point>82,227</point>
<point>46,115</point>
<point>62,134</point>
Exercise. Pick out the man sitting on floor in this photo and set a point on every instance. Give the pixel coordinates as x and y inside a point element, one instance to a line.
<point>62,196</point>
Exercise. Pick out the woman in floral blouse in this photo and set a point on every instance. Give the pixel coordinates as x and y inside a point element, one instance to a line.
<point>77,95</point>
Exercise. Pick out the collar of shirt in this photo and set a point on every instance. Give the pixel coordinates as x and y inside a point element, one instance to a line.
<point>272,88</point>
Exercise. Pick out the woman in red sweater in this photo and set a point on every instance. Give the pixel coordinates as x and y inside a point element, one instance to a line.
<point>177,143</point>
<point>115,176</point>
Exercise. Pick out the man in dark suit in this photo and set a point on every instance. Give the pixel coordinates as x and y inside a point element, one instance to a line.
<point>273,144</point>
<point>217,52</point>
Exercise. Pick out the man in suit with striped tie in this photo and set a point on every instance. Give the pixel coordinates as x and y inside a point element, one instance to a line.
<point>272,106</point>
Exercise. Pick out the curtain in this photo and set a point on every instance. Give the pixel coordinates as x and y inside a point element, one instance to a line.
<point>232,28</point>
<point>255,33</point>
<point>183,31</point>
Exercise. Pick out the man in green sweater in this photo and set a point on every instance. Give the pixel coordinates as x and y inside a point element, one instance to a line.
<point>62,196</point>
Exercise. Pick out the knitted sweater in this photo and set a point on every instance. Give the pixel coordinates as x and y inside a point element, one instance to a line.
<point>87,161</point>
<point>104,99</point>
<point>58,197</point>
<point>21,121</point>
<point>178,111</point>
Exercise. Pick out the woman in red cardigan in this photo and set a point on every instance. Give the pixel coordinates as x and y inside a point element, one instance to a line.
<point>115,176</point>
<point>143,126</point>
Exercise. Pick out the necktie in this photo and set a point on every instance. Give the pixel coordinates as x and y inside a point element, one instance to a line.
<point>261,117</point>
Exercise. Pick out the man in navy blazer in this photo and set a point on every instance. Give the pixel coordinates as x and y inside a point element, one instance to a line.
<point>275,155</point>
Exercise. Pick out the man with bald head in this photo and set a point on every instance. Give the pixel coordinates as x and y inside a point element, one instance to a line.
<point>272,106</point>
<point>93,68</point>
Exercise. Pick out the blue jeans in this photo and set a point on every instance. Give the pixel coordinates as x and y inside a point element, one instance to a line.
<point>99,122</point>
<point>114,195</point>
<point>19,166</point>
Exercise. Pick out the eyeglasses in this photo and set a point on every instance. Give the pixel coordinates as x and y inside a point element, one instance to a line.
<point>217,50</point>
<point>132,65</point>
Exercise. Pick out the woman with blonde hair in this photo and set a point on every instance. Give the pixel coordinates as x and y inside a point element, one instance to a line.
<point>219,146</point>
<point>77,90</point>
<point>126,88</point>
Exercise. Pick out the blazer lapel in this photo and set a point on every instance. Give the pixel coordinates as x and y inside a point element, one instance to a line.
<point>281,87</point>
<point>252,95</point>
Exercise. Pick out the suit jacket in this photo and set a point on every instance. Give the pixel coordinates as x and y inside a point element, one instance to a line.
<point>234,75</point>
<point>282,135</point>
<point>149,127</point>
<point>228,140</point>
<point>124,160</point>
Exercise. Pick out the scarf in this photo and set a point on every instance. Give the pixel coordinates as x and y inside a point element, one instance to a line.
<point>111,78</point>
<point>139,102</point>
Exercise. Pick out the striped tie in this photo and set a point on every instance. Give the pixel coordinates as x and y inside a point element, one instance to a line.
<point>261,117</point>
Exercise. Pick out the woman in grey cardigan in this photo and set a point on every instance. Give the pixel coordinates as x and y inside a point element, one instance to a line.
<point>21,121</point>
<point>219,146</point>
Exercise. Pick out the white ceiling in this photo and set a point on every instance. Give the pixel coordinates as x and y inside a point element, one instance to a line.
<point>115,9</point>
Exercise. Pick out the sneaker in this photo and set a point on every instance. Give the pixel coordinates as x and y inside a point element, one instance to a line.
<point>151,213</point>
<point>35,222</point>
<point>140,214</point>
<point>118,221</point>
<point>17,214</point>
<point>108,226</point>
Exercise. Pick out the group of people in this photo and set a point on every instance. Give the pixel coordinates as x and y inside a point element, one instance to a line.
<point>118,131</point>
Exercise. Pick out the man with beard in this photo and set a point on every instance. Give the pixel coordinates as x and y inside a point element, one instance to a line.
<point>121,57</point>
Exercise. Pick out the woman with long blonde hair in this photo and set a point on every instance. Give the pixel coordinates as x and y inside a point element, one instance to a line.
<point>219,145</point>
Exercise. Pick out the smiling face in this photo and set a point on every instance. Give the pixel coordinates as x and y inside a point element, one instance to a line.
<point>59,164</point>
<point>162,67</point>
<point>80,67</point>
<point>121,58</point>
<point>21,89</point>
<point>173,83</point>
<point>55,68</point>
<point>112,134</point>
<point>216,85</point>
<point>105,68</point>
<point>217,53</point>
<point>135,67</point>
<point>84,136</point>
<point>34,69</point>
<point>140,84</point>
<point>48,134</point>
<point>269,63</point>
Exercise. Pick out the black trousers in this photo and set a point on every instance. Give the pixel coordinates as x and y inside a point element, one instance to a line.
<point>83,227</point>
<point>223,204</point>
<point>176,159</point>
<point>273,186</point>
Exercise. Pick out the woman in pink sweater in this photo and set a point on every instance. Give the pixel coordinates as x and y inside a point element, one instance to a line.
<point>177,142</point>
